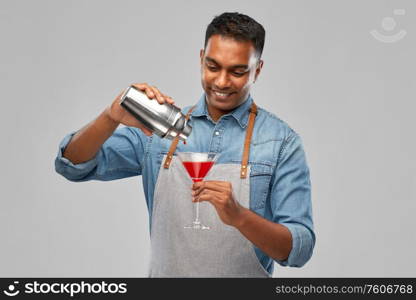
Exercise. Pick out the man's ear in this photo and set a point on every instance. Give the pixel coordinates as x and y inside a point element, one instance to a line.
<point>201,55</point>
<point>258,69</point>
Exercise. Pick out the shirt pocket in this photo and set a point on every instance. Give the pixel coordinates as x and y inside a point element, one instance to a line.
<point>260,176</point>
<point>259,180</point>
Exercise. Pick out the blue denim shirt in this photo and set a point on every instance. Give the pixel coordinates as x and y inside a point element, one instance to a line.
<point>280,188</point>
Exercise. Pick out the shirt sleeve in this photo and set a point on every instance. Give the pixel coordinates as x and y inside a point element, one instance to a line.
<point>120,156</point>
<point>291,200</point>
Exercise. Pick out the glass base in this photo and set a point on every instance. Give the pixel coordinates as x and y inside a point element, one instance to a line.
<point>197,225</point>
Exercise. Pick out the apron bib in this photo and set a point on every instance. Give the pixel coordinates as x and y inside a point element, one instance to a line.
<point>221,251</point>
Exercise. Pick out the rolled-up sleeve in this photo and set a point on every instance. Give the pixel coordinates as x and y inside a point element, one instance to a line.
<point>291,200</point>
<point>119,157</point>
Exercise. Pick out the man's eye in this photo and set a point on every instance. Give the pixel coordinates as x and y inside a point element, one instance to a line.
<point>212,68</point>
<point>238,74</point>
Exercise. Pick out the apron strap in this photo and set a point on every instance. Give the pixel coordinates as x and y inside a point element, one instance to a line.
<point>249,133</point>
<point>175,141</point>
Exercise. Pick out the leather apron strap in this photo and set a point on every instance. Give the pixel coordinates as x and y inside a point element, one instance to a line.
<point>246,151</point>
<point>249,133</point>
<point>175,141</point>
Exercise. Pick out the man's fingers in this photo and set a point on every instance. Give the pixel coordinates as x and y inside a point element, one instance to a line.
<point>141,86</point>
<point>144,87</point>
<point>210,183</point>
<point>219,186</point>
<point>153,92</point>
<point>150,93</point>
<point>210,196</point>
<point>202,198</point>
<point>168,99</point>
<point>217,189</point>
<point>158,94</point>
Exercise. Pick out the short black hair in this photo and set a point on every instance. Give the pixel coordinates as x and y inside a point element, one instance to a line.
<point>238,27</point>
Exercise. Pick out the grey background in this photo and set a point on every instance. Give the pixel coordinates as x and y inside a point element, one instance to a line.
<point>350,97</point>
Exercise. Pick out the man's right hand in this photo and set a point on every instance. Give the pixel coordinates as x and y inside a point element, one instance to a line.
<point>119,115</point>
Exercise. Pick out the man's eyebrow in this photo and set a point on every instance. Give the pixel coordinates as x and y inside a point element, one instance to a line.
<point>232,67</point>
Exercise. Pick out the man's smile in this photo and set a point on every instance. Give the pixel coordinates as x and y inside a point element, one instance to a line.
<point>222,95</point>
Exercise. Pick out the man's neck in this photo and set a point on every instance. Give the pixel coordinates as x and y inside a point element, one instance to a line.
<point>216,114</point>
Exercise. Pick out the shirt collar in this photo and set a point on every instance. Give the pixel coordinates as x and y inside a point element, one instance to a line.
<point>240,113</point>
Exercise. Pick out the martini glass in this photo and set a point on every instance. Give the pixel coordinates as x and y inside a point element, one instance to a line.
<point>197,164</point>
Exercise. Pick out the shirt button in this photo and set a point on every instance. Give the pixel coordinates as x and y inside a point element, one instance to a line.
<point>217,133</point>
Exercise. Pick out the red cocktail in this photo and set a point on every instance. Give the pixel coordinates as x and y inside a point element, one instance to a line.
<point>197,170</point>
<point>197,164</point>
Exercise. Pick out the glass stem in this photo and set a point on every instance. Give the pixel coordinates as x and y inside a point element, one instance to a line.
<point>197,213</point>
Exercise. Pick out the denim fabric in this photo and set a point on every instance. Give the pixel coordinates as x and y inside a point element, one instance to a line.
<point>280,187</point>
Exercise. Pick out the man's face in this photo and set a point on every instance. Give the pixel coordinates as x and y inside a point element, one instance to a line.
<point>228,69</point>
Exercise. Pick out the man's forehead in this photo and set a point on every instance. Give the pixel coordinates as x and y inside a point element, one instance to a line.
<point>228,51</point>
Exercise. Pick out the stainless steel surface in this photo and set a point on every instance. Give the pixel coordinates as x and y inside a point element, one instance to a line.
<point>165,120</point>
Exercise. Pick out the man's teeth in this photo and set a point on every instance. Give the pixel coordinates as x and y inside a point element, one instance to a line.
<point>221,94</point>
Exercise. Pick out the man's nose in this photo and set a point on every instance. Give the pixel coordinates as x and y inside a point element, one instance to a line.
<point>222,81</point>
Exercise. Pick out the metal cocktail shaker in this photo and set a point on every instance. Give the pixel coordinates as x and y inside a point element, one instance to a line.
<point>165,120</point>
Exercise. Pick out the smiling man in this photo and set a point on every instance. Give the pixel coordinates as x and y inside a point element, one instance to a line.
<point>256,199</point>
<point>229,68</point>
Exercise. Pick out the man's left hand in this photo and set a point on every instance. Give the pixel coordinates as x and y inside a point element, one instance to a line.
<point>219,194</point>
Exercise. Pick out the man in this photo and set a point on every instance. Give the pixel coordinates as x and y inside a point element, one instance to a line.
<point>256,199</point>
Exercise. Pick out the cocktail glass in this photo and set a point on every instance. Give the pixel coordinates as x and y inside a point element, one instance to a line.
<point>197,164</point>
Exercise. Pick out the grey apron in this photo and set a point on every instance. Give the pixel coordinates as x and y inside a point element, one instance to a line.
<point>221,251</point>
